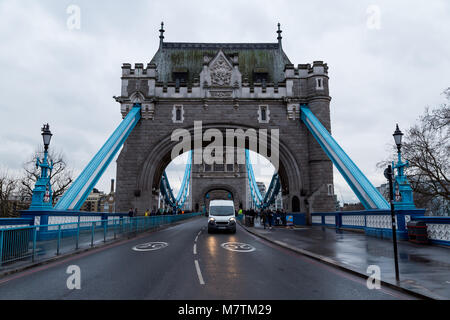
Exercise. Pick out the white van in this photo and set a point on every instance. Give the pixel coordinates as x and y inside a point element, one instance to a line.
<point>221,216</point>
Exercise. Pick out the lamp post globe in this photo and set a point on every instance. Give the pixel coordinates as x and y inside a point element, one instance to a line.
<point>398,138</point>
<point>46,135</point>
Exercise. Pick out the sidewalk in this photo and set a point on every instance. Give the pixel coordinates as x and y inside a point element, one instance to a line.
<point>423,269</point>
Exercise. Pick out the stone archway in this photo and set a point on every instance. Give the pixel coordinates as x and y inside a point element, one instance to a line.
<point>222,194</point>
<point>148,175</point>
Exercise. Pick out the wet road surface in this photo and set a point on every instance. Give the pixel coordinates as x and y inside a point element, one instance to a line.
<point>188,263</point>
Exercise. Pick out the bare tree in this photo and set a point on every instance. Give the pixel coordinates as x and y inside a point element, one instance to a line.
<point>8,187</point>
<point>426,146</point>
<point>60,177</point>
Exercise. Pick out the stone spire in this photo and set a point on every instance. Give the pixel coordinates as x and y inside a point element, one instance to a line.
<point>161,34</point>
<point>279,34</point>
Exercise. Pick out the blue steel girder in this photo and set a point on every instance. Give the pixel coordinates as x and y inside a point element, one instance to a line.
<point>166,190</point>
<point>77,193</point>
<point>369,196</point>
<point>272,191</point>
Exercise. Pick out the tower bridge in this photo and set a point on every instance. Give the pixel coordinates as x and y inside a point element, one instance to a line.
<point>242,87</point>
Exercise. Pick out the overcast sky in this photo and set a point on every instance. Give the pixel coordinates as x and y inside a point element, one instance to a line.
<point>387,61</point>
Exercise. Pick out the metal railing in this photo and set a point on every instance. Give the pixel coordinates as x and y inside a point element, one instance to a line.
<point>40,242</point>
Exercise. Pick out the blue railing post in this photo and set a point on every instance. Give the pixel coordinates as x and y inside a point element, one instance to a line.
<point>92,233</point>
<point>105,226</point>
<point>34,243</point>
<point>59,240</point>
<point>1,247</point>
<point>114,227</point>
<point>78,235</point>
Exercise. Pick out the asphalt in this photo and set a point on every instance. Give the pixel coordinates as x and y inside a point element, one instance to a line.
<point>424,269</point>
<point>193,265</point>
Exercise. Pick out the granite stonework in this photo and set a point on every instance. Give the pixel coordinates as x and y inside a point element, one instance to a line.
<point>225,86</point>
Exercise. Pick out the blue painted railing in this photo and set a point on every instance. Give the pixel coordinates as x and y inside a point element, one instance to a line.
<point>6,223</point>
<point>44,241</point>
<point>372,222</point>
<point>75,196</point>
<point>438,228</point>
<point>369,196</point>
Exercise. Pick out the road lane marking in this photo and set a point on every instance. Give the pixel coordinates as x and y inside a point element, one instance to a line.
<point>195,248</point>
<point>237,246</point>
<point>199,273</point>
<point>150,246</point>
<point>196,238</point>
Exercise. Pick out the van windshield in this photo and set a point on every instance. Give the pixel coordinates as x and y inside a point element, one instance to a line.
<point>221,210</point>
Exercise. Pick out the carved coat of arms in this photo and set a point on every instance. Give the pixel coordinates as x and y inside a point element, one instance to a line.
<point>221,72</point>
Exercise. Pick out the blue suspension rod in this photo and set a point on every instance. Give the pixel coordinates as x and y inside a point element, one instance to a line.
<point>77,193</point>
<point>369,196</point>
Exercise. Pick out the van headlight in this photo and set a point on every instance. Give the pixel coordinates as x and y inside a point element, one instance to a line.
<point>232,219</point>
<point>211,220</point>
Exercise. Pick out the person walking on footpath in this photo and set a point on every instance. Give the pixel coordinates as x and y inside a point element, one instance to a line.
<point>270,217</point>
<point>264,218</point>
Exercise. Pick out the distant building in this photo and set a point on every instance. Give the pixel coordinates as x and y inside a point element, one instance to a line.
<point>384,190</point>
<point>95,202</point>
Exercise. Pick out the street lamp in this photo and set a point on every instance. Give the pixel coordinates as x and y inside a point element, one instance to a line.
<point>42,192</point>
<point>46,136</point>
<point>398,135</point>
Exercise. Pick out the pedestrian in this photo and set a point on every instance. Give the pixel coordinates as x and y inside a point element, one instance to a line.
<point>270,217</point>
<point>130,213</point>
<point>135,212</point>
<point>147,213</point>
<point>264,218</point>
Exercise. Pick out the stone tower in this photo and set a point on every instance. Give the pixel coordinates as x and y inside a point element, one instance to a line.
<point>225,85</point>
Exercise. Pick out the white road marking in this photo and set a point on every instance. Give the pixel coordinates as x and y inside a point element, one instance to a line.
<point>199,273</point>
<point>237,246</point>
<point>150,246</point>
<point>196,238</point>
<point>195,248</point>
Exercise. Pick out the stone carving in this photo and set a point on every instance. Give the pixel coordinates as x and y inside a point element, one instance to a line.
<point>220,72</point>
<point>221,94</point>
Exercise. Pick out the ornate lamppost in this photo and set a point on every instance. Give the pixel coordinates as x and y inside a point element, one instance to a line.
<point>403,199</point>
<point>42,192</point>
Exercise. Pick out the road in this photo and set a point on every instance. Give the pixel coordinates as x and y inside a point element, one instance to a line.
<point>193,265</point>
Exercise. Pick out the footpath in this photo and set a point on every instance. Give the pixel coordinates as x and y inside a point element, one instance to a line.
<point>424,269</point>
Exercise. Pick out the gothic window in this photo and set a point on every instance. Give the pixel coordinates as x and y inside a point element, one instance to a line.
<point>230,167</point>
<point>330,189</point>
<point>319,83</point>
<point>263,114</point>
<point>178,114</point>
<point>180,76</point>
<point>260,75</point>
<point>208,168</point>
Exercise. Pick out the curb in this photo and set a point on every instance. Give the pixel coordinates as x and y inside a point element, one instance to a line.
<point>103,245</point>
<point>337,264</point>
